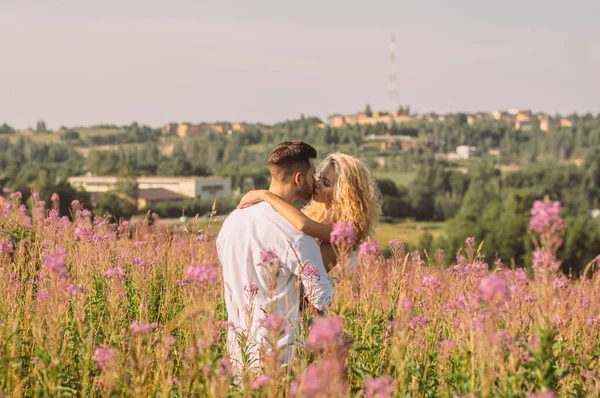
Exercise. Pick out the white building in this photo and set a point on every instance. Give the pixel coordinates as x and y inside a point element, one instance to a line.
<point>464,151</point>
<point>209,188</point>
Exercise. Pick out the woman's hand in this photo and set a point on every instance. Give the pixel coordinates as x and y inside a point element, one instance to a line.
<point>253,197</point>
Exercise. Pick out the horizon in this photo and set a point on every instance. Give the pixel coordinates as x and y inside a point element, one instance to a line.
<point>322,119</point>
<point>118,62</point>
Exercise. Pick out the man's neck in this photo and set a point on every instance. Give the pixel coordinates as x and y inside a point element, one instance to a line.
<point>283,192</point>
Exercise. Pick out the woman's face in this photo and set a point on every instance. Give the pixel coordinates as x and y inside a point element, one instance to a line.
<point>323,192</point>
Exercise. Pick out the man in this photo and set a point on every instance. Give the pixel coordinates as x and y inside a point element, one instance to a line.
<point>263,256</point>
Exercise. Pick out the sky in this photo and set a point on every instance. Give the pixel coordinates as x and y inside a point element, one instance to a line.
<point>74,62</point>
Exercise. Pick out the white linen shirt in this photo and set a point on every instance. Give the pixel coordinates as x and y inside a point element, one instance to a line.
<point>245,234</point>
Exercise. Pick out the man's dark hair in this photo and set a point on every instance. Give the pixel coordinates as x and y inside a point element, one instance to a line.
<point>290,157</point>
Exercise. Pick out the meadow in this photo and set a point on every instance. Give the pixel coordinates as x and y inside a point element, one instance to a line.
<point>93,308</point>
<point>402,178</point>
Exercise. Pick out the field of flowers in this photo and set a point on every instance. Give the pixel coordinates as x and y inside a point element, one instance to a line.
<point>90,308</point>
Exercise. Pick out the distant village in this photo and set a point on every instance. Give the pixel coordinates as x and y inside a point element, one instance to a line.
<point>160,189</point>
<point>520,119</point>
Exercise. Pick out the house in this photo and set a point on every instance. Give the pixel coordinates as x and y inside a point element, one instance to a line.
<point>168,129</point>
<point>523,125</point>
<point>187,130</point>
<point>336,120</point>
<point>566,123</point>
<point>153,189</point>
<point>151,196</point>
<point>464,151</point>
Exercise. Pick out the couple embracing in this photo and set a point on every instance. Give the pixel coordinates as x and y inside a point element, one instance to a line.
<point>270,251</point>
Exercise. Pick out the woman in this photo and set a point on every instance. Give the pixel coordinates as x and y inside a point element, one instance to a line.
<point>345,191</point>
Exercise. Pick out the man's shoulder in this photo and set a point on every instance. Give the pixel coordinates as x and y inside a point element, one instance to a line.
<point>247,213</point>
<point>261,216</point>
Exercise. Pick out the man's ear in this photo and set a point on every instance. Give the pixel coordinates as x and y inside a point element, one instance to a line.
<point>298,178</point>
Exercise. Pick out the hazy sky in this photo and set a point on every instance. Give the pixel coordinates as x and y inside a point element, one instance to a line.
<point>81,62</point>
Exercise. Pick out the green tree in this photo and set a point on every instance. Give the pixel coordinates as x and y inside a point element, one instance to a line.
<point>591,180</point>
<point>41,127</point>
<point>582,243</point>
<point>368,110</point>
<point>6,129</point>
<point>118,207</point>
<point>69,135</point>
<point>127,184</point>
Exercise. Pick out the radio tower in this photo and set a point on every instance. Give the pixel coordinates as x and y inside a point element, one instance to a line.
<point>393,93</point>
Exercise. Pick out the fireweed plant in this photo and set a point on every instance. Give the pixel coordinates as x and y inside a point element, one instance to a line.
<point>93,308</point>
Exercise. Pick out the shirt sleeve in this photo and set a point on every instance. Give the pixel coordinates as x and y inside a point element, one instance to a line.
<point>319,288</point>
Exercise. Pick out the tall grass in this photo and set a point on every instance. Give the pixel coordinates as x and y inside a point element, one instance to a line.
<point>91,308</point>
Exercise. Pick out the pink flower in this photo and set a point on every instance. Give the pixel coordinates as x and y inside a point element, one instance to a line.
<point>201,238</point>
<point>16,195</point>
<point>311,273</point>
<point>502,338</point>
<point>343,233</point>
<point>545,216</point>
<point>597,260</point>
<point>559,283</point>
<point>493,288</point>
<point>588,374</point>
<point>6,245</point>
<point>499,264</point>
<point>56,263</point>
<point>407,305</point>
<point>202,274</point>
<point>317,381</point>
<point>309,382</point>
<point>418,322</point>
<point>225,368</point>
<point>268,258</point>
<point>139,262</point>
<point>325,332</point>
<point>448,345</point>
<point>545,394</point>
<point>431,282</point>
<point>260,382</point>
<point>168,342</point>
<point>544,259</point>
<point>368,248</point>
<point>103,356</point>
<point>142,328</point>
<point>396,244</point>
<point>251,291</point>
<point>55,197</point>
<point>74,290</point>
<point>118,272</point>
<point>274,323</point>
<point>521,276</point>
<point>83,232</point>
<point>43,295</point>
<point>138,244</point>
<point>470,243</point>
<point>381,387</point>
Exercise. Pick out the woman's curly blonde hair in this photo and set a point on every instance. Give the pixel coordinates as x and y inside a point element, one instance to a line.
<point>356,197</point>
